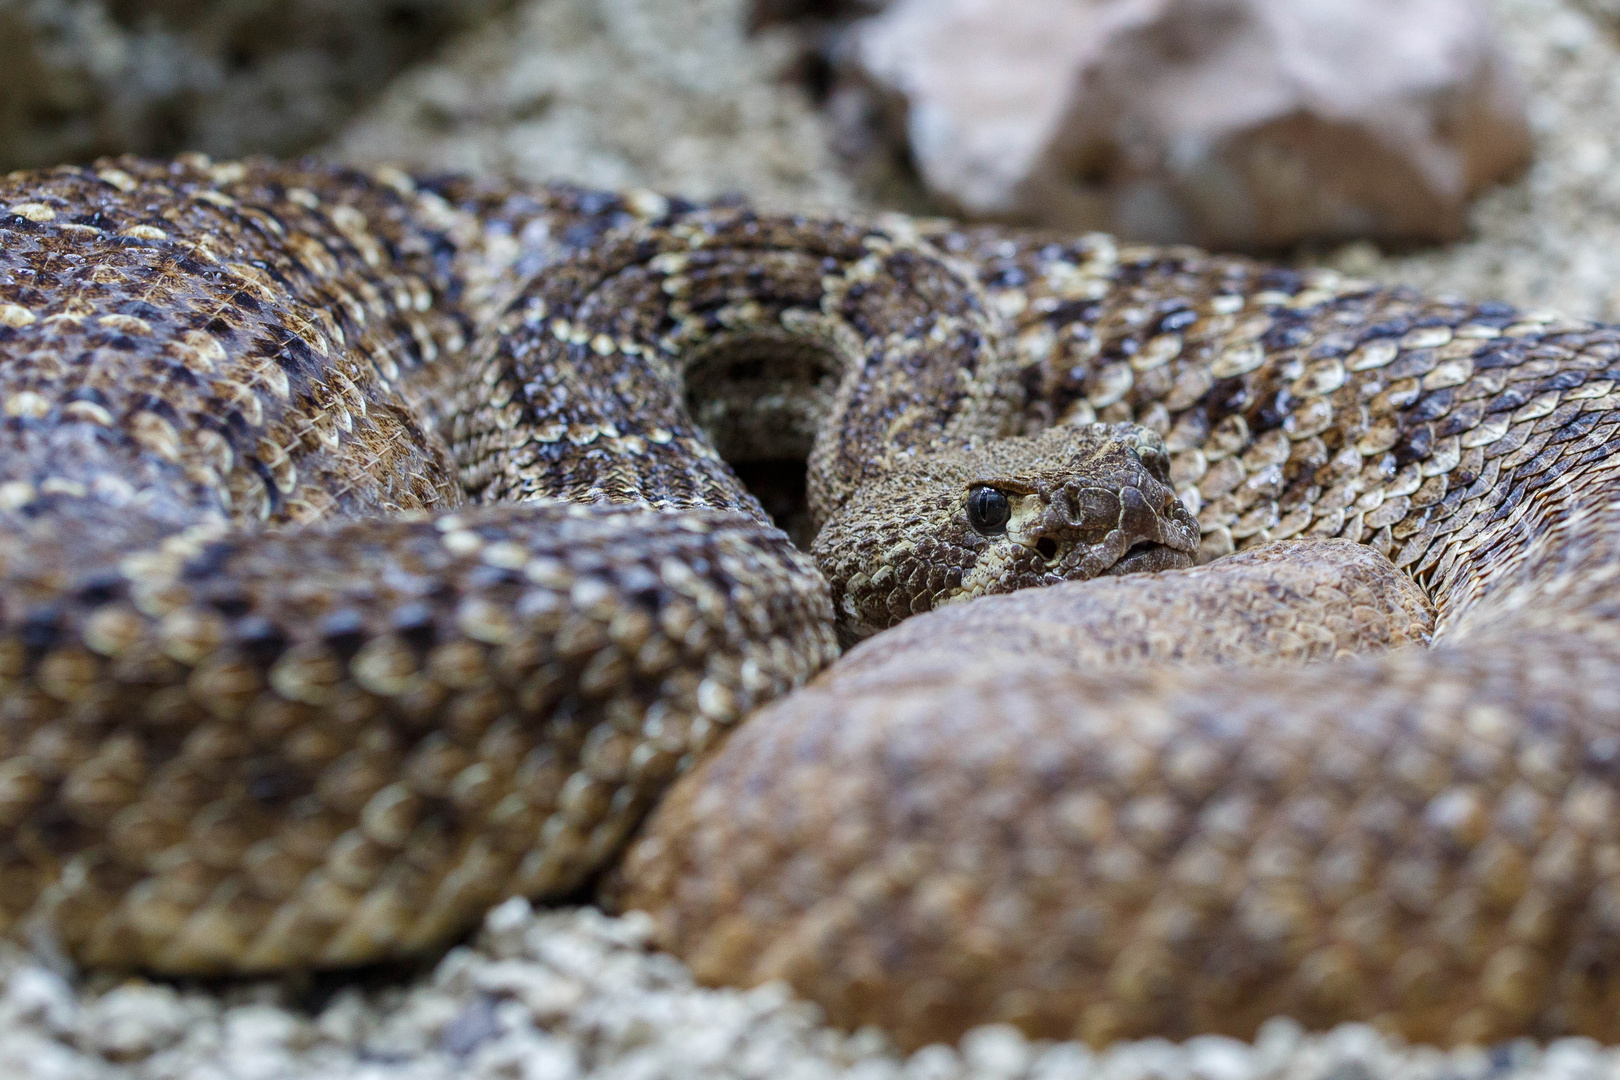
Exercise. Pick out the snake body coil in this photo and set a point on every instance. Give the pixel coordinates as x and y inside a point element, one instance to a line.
<point>368,553</point>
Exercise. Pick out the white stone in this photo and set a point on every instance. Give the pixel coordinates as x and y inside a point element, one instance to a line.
<point>27,1054</point>
<point>546,994</point>
<point>1212,1057</point>
<point>935,1062</point>
<point>530,1055</point>
<point>263,1042</point>
<point>134,1021</point>
<point>38,997</point>
<point>996,1050</point>
<point>346,1019</point>
<point>634,1020</point>
<point>1158,1059</point>
<point>1064,1061</point>
<point>505,925</point>
<point>1275,1042</point>
<point>1573,1059</point>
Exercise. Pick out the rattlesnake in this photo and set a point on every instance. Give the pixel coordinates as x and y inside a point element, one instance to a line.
<point>367,554</point>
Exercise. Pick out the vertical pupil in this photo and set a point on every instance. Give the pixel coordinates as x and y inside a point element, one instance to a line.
<point>988,508</point>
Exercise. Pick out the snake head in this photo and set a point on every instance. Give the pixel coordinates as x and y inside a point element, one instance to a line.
<point>1068,504</point>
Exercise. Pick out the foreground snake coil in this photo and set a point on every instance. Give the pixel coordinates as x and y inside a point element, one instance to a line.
<point>367,554</point>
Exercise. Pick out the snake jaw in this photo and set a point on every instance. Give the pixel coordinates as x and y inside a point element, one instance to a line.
<point>1080,529</point>
<point>1109,510</point>
<point>1079,503</point>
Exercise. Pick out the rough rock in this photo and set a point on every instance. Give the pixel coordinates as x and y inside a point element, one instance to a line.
<point>79,78</point>
<point>1551,238</point>
<point>614,93</point>
<point>1230,123</point>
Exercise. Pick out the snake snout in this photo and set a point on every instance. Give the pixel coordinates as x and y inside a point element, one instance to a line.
<point>1082,531</point>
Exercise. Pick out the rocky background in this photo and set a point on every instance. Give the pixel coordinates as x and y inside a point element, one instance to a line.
<point>1357,134</point>
<point>1462,146</point>
<point>80,78</point>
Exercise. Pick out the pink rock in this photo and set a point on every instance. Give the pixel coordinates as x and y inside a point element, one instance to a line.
<point>1248,123</point>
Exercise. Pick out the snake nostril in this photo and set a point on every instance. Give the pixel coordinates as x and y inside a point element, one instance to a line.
<point>1046,547</point>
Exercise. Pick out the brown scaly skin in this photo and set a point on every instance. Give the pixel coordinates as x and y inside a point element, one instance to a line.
<point>1286,602</point>
<point>980,822</point>
<point>233,741</point>
<point>305,663</point>
<point>318,630</point>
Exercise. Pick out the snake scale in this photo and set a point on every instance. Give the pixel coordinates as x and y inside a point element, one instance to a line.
<point>369,553</point>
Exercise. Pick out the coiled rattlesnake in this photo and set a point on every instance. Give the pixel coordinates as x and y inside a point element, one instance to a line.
<point>236,738</point>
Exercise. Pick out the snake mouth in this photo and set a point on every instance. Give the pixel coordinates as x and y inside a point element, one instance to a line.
<point>1147,556</point>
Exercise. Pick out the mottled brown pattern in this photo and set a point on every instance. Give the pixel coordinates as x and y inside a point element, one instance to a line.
<point>368,552</point>
<point>979,821</point>
<point>1284,602</point>
<point>275,695</point>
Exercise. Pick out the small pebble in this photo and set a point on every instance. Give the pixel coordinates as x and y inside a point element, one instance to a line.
<point>1212,1057</point>
<point>134,1022</point>
<point>996,1050</point>
<point>38,997</point>
<point>937,1062</point>
<point>1064,1061</point>
<point>472,1027</point>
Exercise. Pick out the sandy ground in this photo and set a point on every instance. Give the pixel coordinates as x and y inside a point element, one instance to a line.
<point>614,93</point>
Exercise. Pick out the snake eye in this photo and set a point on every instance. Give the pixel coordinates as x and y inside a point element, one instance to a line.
<point>988,510</point>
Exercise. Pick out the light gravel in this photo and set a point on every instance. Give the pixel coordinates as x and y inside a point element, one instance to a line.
<point>565,995</point>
